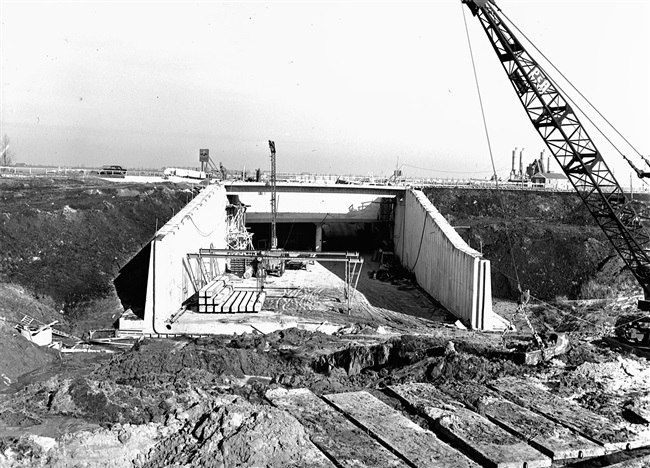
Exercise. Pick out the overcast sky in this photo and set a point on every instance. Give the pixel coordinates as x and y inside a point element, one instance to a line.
<point>341,87</point>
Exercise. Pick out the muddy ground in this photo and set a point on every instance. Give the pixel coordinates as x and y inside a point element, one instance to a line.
<point>200,402</point>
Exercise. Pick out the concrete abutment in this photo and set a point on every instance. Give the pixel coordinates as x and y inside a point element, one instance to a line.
<point>444,265</point>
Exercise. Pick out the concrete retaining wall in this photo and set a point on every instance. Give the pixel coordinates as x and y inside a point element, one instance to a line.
<point>444,265</point>
<point>201,224</point>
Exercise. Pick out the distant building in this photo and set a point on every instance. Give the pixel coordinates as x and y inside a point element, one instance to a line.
<point>552,180</point>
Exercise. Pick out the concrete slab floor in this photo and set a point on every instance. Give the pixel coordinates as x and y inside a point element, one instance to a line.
<point>403,296</point>
<point>314,298</point>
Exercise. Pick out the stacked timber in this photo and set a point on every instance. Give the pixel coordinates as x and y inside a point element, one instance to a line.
<point>219,297</point>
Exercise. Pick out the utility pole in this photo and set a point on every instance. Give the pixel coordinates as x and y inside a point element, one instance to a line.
<point>274,202</point>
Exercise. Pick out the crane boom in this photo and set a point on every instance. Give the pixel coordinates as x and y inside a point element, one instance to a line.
<point>566,138</point>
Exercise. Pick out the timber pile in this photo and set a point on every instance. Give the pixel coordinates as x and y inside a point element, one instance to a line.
<point>219,297</point>
<point>468,430</point>
<point>357,429</point>
<point>418,446</point>
<point>549,437</point>
<point>585,422</point>
<point>331,432</point>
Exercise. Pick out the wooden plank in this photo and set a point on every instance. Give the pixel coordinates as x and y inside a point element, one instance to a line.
<point>333,433</point>
<point>250,305</point>
<point>212,288</point>
<point>241,307</point>
<point>480,438</point>
<point>237,307</point>
<point>223,295</point>
<point>545,435</point>
<point>417,445</point>
<point>225,307</point>
<point>239,295</point>
<point>244,302</point>
<point>216,288</point>
<point>587,423</point>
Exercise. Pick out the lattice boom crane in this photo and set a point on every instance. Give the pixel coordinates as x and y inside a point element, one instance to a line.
<point>558,125</point>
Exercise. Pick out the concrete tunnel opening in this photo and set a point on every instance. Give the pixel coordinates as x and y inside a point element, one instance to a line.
<point>364,238</point>
<point>154,284</point>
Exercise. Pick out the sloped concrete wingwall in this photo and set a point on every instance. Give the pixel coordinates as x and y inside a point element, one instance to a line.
<point>444,265</point>
<point>201,224</point>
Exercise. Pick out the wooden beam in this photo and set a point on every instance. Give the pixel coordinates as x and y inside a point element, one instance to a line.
<point>591,425</point>
<point>417,445</point>
<point>480,438</point>
<point>332,432</point>
<point>545,435</point>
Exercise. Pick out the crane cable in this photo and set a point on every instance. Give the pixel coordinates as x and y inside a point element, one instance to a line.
<point>480,100</point>
<point>575,316</point>
<point>478,88</point>
<point>566,96</point>
<point>521,302</point>
<point>596,127</point>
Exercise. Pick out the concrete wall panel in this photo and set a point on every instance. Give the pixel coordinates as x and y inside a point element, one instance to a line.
<point>444,265</point>
<point>201,224</point>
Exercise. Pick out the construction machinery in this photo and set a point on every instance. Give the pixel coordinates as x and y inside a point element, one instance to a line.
<point>551,112</point>
<point>274,266</point>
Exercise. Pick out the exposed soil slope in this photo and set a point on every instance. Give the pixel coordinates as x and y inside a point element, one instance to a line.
<point>547,241</point>
<point>66,239</point>
<point>63,243</point>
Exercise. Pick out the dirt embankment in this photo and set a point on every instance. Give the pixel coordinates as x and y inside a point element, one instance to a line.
<point>547,241</point>
<point>63,243</point>
<point>66,240</point>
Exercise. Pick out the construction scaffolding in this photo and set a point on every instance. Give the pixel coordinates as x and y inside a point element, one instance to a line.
<point>260,258</point>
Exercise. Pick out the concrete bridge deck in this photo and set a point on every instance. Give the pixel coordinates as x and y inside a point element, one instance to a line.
<point>288,187</point>
<point>314,203</point>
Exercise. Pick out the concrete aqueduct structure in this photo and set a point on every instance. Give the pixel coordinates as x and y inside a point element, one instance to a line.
<point>444,265</point>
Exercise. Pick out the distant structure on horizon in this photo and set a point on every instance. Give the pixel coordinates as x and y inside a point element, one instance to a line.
<point>537,173</point>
